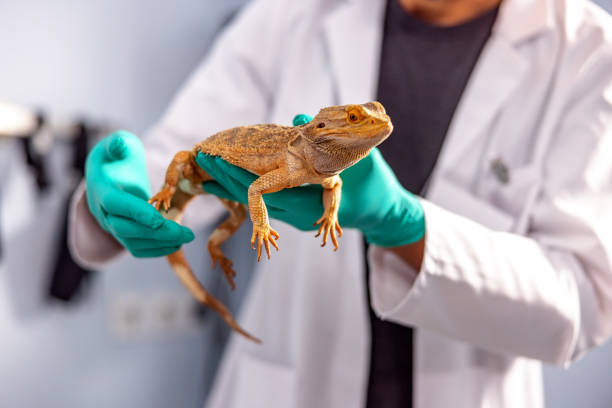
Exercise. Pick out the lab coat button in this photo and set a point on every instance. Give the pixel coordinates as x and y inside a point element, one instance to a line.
<point>500,170</point>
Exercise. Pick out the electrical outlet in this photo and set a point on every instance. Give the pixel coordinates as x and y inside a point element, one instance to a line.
<point>135,315</point>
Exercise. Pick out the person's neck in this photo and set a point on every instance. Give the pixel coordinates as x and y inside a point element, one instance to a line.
<point>447,12</point>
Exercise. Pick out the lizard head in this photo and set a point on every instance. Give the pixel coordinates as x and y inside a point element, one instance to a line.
<point>347,132</point>
<point>355,125</point>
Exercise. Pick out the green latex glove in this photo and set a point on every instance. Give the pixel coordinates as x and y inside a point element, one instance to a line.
<point>373,201</point>
<point>117,192</point>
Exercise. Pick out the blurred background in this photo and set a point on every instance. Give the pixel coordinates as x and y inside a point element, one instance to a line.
<point>128,335</point>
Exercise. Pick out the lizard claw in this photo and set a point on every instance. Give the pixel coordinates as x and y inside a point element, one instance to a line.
<point>228,270</point>
<point>264,235</point>
<point>217,256</point>
<point>329,227</point>
<point>162,199</point>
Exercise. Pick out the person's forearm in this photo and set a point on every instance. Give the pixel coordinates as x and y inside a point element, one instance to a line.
<point>412,254</point>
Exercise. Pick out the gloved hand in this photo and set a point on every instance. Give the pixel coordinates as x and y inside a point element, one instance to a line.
<point>117,191</point>
<point>373,201</point>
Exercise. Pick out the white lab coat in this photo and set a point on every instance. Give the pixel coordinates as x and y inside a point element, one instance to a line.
<point>516,269</point>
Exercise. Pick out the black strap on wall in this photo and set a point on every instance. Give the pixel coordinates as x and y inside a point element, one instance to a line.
<point>34,159</point>
<point>68,277</point>
<point>35,162</point>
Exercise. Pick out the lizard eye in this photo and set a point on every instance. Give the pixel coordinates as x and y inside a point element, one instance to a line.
<point>321,125</point>
<point>354,116</point>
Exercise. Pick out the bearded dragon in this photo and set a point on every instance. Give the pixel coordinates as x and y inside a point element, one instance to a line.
<point>282,157</point>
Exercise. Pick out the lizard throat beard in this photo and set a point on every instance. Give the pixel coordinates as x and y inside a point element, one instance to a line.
<point>334,155</point>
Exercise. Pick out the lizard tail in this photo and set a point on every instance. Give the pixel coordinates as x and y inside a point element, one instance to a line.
<point>179,264</point>
<point>183,271</point>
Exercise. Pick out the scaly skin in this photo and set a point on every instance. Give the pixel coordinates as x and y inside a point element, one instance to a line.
<point>282,157</point>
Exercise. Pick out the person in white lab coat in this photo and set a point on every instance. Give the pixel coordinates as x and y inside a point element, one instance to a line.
<point>517,257</point>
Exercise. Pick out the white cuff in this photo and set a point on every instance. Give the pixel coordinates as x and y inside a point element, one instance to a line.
<point>390,279</point>
<point>89,244</point>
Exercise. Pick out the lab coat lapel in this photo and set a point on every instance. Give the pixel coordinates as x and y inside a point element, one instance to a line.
<point>498,72</point>
<point>353,35</point>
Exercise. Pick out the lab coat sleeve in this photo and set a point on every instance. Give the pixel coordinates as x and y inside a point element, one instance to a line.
<point>90,246</point>
<point>546,295</point>
<point>233,86</point>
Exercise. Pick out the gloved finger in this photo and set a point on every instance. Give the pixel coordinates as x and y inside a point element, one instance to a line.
<point>274,212</point>
<point>303,222</point>
<point>224,172</point>
<point>153,253</point>
<point>235,181</point>
<point>209,164</point>
<point>169,231</point>
<point>115,147</point>
<point>139,244</point>
<point>280,214</point>
<point>301,119</point>
<point>212,187</point>
<point>218,190</point>
<point>279,204</point>
<point>121,144</point>
<point>287,198</point>
<point>117,202</point>
<point>291,199</point>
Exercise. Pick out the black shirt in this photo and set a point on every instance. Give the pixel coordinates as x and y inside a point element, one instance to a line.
<point>423,72</point>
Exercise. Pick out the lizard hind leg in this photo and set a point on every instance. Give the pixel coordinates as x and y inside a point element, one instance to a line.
<point>183,271</point>
<point>222,233</point>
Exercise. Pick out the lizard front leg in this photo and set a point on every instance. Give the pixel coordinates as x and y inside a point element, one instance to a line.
<point>332,191</point>
<point>270,182</point>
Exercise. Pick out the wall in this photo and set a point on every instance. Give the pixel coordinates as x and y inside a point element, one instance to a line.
<point>110,59</point>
